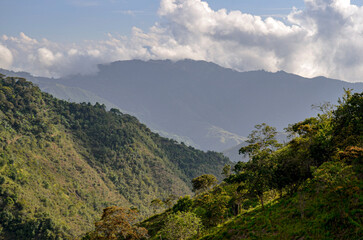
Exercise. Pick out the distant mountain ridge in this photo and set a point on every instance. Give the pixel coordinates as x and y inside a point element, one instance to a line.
<point>213,107</point>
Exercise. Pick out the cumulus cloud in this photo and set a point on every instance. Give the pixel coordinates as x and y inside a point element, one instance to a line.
<point>325,38</point>
<point>6,57</point>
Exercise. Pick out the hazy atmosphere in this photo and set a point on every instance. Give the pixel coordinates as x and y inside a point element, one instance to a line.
<point>309,38</point>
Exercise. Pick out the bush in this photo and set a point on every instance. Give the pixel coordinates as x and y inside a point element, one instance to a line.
<point>184,204</point>
<point>181,225</point>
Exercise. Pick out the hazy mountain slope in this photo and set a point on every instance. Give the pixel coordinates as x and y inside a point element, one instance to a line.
<point>79,95</point>
<point>61,163</point>
<point>71,94</point>
<point>233,153</point>
<point>213,107</point>
<point>192,97</point>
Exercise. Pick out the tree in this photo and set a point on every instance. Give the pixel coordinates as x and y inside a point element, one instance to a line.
<point>262,142</point>
<point>118,223</point>
<point>184,204</point>
<point>291,167</point>
<point>203,182</point>
<point>348,121</point>
<point>212,207</point>
<point>311,147</point>
<point>181,225</point>
<point>258,171</point>
<point>226,171</point>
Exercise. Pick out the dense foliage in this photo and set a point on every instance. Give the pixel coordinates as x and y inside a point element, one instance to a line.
<point>61,163</point>
<point>117,223</point>
<point>308,188</point>
<point>204,182</point>
<point>181,225</point>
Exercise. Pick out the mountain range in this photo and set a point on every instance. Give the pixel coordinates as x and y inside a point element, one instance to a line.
<point>197,102</point>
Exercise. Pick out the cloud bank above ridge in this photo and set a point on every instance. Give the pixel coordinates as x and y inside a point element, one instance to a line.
<point>325,38</point>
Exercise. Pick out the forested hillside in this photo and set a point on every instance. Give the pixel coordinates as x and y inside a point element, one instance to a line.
<point>62,163</point>
<point>308,188</point>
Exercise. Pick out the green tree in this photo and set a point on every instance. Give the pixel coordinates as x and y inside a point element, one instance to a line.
<point>184,204</point>
<point>203,182</point>
<point>348,121</point>
<point>311,147</point>
<point>213,206</point>
<point>262,142</point>
<point>118,223</point>
<point>226,171</point>
<point>180,226</point>
<point>258,171</point>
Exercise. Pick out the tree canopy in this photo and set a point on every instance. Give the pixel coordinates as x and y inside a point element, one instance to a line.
<point>118,223</point>
<point>181,226</point>
<point>203,182</point>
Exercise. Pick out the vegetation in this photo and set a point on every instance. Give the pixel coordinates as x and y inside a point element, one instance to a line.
<point>62,163</point>
<point>309,188</point>
<point>181,225</point>
<point>117,223</point>
<point>204,182</point>
<point>257,173</point>
<point>184,204</point>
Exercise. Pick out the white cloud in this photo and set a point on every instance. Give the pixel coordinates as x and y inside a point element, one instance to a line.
<point>25,39</point>
<point>6,57</point>
<point>325,38</point>
<point>46,57</point>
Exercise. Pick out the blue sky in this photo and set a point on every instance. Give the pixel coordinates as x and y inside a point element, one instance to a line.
<point>75,20</point>
<point>61,37</point>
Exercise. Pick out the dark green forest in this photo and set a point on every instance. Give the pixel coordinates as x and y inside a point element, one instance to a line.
<point>62,163</point>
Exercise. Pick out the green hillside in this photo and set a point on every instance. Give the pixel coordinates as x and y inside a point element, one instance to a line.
<point>62,163</point>
<point>308,188</point>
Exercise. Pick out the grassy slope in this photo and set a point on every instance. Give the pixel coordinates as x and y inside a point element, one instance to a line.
<point>317,211</point>
<point>302,216</point>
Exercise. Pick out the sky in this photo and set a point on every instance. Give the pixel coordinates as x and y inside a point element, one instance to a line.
<point>311,38</point>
